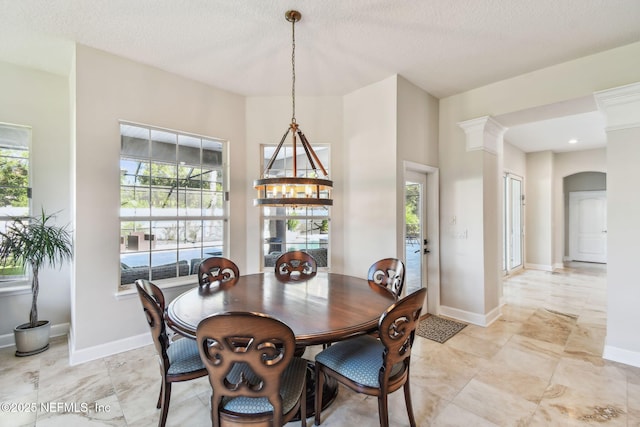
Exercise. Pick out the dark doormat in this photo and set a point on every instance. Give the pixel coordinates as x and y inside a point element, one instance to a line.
<point>438,329</point>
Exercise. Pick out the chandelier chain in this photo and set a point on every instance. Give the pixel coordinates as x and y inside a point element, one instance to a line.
<point>293,70</point>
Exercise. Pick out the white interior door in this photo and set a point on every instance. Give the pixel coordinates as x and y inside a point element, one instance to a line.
<point>588,226</point>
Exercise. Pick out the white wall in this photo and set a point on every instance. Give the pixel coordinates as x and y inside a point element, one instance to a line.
<point>417,142</point>
<point>515,160</point>
<point>461,171</point>
<point>371,216</point>
<point>385,124</point>
<point>623,235</point>
<point>320,118</point>
<point>539,209</point>
<point>40,100</point>
<point>108,89</point>
<point>417,128</point>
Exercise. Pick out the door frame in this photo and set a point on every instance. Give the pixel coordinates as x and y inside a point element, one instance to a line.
<point>432,225</point>
<point>507,225</point>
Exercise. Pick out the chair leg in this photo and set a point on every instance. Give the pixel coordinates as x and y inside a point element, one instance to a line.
<point>303,405</point>
<point>383,410</point>
<point>319,377</point>
<point>215,412</point>
<point>407,401</point>
<point>164,409</point>
<point>159,404</point>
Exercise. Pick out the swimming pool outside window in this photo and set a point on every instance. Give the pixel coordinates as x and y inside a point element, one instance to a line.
<point>173,204</point>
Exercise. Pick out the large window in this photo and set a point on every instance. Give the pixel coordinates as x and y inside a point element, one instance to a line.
<point>15,193</point>
<point>299,228</point>
<point>172,202</point>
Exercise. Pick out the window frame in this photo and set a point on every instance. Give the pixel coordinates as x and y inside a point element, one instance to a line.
<point>19,283</point>
<point>267,213</point>
<point>176,225</point>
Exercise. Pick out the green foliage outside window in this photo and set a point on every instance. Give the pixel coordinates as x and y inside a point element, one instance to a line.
<point>14,179</point>
<point>167,183</point>
<point>411,218</point>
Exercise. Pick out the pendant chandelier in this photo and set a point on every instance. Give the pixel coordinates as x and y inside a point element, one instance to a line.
<point>294,190</point>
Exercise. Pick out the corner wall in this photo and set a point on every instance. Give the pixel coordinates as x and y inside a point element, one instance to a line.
<point>371,218</point>
<point>108,89</point>
<point>321,120</point>
<point>41,100</point>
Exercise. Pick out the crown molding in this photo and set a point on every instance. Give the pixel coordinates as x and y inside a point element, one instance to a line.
<point>483,133</point>
<point>621,106</point>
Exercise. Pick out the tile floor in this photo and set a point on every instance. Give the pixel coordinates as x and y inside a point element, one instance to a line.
<point>539,365</point>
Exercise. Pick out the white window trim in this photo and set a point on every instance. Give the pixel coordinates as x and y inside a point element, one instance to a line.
<point>128,289</point>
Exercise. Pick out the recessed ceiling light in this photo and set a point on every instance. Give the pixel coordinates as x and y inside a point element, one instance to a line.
<point>573,141</point>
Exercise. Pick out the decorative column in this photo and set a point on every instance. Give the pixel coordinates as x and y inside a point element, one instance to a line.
<point>485,134</point>
<point>621,107</point>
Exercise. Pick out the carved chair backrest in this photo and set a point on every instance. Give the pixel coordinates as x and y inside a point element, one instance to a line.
<point>152,300</point>
<point>295,265</point>
<point>240,339</point>
<point>387,273</point>
<point>218,271</point>
<point>396,330</point>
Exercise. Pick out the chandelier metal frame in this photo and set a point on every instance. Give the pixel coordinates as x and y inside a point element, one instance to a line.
<point>294,190</point>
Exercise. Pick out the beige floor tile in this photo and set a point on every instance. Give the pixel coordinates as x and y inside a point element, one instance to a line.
<point>505,409</point>
<point>518,382</point>
<point>563,405</point>
<point>455,416</point>
<point>549,326</point>
<point>472,344</point>
<point>539,364</point>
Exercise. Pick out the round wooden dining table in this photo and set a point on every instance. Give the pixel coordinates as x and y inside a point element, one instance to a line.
<point>326,308</point>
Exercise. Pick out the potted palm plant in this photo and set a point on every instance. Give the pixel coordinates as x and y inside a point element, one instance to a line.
<point>33,243</point>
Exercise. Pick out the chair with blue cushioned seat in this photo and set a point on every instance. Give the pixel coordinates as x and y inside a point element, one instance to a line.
<point>295,265</point>
<point>179,359</point>
<point>255,378</point>
<point>218,271</point>
<point>387,275</point>
<point>373,366</point>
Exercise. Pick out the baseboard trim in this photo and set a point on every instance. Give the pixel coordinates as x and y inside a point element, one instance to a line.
<point>483,320</point>
<point>61,329</point>
<point>621,355</point>
<point>542,267</point>
<point>78,356</point>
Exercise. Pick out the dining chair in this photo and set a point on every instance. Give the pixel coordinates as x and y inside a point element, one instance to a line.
<point>179,359</point>
<point>387,275</point>
<point>254,376</point>
<point>217,271</point>
<point>375,367</point>
<point>295,265</point>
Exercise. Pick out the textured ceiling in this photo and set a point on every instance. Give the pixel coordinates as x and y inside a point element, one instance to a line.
<point>443,46</point>
<point>244,46</point>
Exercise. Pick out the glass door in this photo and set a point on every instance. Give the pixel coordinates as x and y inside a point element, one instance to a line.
<point>513,224</point>
<point>416,242</point>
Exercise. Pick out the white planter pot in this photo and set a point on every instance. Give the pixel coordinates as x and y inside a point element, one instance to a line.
<point>32,340</point>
